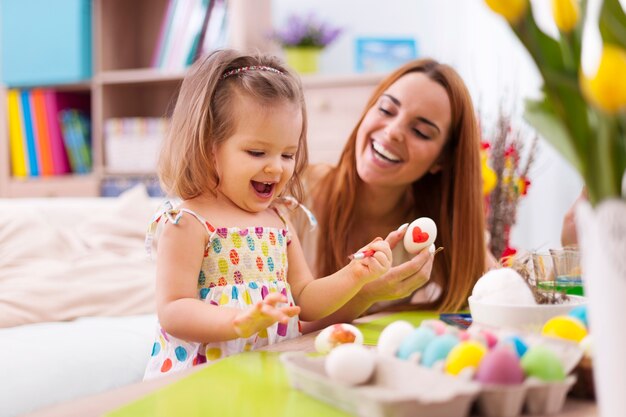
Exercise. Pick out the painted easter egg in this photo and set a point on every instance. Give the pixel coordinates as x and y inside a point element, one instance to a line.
<point>501,365</point>
<point>420,234</point>
<point>565,327</point>
<point>464,355</point>
<point>580,313</point>
<point>392,336</point>
<point>415,342</point>
<point>542,363</point>
<point>438,349</point>
<point>335,335</point>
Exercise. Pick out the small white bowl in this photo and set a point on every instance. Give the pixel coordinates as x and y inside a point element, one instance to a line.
<point>524,317</point>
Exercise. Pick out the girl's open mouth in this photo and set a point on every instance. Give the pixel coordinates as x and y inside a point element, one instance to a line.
<point>263,189</point>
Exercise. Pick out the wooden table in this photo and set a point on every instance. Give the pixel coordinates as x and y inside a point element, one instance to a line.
<point>100,404</point>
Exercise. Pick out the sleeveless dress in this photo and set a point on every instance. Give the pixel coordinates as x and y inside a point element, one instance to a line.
<point>241,266</point>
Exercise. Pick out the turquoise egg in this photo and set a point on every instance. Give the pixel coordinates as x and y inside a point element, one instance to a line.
<point>519,346</point>
<point>415,342</point>
<point>438,349</point>
<point>580,313</point>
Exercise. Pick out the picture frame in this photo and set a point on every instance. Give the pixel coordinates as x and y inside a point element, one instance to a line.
<point>383,54</point>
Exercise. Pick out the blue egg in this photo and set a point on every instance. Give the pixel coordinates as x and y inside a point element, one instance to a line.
<point>517,343</point>
<point>438,349</point>
<point>580,313</point>
<point>415,342</point>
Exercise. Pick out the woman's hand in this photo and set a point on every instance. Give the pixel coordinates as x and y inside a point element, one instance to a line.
<point>263,314</point>
<point>403,280</point>
<point>372,267</point>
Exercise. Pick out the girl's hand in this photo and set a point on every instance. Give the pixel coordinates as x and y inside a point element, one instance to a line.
<point>263,314</point>
<point>371,267</point>
<point>403,280</point>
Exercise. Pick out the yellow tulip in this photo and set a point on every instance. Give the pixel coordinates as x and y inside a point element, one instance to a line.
<point>511,10</point>
<point>566,14</point>
<point>607,88</point>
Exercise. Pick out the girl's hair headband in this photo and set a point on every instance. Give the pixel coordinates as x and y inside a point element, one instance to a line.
<point>250,68</point>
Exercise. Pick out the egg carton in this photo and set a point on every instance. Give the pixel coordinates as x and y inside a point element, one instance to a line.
<point>531,397</point>
<point>399,388</point>
<point>396,389</point>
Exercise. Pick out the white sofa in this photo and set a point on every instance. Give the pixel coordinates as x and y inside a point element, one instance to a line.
<point>76,297</point>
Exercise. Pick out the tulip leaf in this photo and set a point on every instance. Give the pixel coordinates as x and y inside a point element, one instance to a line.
<point>540,115</point>
<point>613,23</point>
<point>544,50</point>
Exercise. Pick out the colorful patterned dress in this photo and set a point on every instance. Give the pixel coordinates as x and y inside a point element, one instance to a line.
<point>240,267</point>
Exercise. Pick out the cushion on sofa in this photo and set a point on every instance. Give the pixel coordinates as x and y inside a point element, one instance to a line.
<point>61,259</point>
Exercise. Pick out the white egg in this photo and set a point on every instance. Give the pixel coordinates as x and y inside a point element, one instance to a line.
<point>350,364</point>
<point>420,234</point>
<point>336,335</point>
<point>392,336</point>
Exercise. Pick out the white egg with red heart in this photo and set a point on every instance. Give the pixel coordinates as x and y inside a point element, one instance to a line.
<point>420,234</point>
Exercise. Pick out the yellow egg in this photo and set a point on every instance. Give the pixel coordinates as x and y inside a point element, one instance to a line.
<point>464,354</point>
<point>565,327</point>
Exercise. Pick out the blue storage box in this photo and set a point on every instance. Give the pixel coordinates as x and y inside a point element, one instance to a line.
<point>45,42</point>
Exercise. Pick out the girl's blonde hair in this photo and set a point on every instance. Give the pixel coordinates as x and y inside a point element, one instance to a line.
<point>204,117</point>
<point>451,197</point>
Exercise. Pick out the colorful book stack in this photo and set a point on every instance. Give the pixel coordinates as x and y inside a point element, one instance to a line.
<point>189,29</point>
<point>37,141</point>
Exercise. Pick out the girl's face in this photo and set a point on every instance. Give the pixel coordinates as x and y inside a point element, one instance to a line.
<point>402,135</point>
<point>256,162</point>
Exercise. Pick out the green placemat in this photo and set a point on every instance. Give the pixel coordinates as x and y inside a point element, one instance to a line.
<point>372,329</point>
<point>248,384</point>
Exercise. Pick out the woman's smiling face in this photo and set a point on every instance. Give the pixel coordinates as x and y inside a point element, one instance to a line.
<point>402,135</point>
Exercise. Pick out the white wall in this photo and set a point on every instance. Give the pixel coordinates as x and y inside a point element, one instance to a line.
<point>497,70</point>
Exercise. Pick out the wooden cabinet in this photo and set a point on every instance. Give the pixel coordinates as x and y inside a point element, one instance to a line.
<point>125,34</point>
<point>334,105</point>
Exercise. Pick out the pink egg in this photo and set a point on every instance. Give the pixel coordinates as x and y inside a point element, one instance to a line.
<point>438,326</point>
<point>500,366</point>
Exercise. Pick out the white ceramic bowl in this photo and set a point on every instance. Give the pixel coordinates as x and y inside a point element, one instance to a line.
<point>525,317</point>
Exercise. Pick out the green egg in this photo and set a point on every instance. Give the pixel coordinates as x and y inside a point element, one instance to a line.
<point>542,363</point>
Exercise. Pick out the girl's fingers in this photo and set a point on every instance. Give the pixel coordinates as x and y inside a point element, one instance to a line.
<point>291,310</point>
<point>274,298</point>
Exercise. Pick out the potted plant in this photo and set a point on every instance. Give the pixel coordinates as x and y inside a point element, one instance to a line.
<point>303,39</point>
<point>583,115</point>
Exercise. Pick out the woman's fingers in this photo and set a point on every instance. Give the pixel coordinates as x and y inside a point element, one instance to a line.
<point>396,236</point>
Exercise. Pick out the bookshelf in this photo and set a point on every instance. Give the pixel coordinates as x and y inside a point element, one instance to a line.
<point>124,36</point>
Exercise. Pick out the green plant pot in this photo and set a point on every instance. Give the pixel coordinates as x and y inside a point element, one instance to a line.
<point>304,60</point>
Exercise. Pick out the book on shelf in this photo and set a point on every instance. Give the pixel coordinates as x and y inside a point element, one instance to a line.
<point>216,35</point>
<point>75,128</point>
<point>42,136</point>
<point>29,133</point>
<point>17,141</point>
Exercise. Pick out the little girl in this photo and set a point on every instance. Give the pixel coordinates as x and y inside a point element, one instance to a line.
<point>231,277</point>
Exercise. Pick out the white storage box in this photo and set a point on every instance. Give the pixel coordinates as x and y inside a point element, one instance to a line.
<point>132,145</point>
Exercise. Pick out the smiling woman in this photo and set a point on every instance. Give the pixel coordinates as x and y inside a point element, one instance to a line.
<point>413,153</point>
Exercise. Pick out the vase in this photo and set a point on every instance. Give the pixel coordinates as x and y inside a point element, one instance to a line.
<point>602,240</point>
<point>304,60</point>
